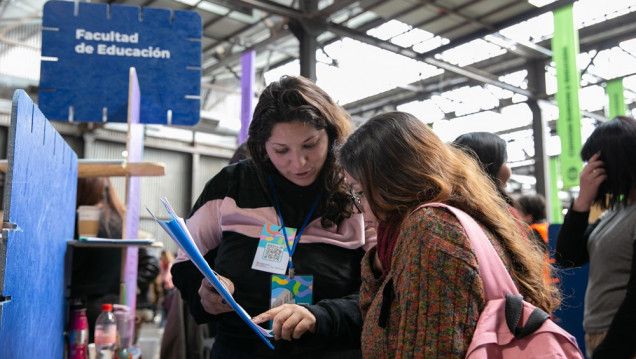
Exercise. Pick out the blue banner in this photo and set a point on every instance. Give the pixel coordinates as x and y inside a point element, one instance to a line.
<point>88,49</point>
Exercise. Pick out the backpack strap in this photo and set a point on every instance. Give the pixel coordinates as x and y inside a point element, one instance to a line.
<point>497,281</point>
<point>514,310</point>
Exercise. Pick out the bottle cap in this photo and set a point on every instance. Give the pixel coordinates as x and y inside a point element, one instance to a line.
<point>107,307</point>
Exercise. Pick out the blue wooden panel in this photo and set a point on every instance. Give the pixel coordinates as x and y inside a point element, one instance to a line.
<point>573,285</point>
<point>40,201</point>
<point>95,44</point>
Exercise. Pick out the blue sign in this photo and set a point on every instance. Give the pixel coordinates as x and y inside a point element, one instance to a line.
<point>88,49</point>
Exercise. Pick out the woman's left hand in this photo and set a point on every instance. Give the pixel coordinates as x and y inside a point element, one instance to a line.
<point>290,321</point>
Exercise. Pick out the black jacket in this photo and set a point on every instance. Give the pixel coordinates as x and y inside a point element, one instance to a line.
<point>237,190</point>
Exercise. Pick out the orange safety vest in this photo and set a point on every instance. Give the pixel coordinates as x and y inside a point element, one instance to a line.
<point>542,229</point>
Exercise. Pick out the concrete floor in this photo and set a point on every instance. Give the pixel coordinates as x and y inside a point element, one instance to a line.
<point>150,339</point>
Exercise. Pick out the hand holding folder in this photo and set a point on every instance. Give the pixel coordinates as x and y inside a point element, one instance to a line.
<point>178,231</point>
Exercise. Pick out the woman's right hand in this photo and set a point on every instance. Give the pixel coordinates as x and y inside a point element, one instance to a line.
<point>211,300</point>
<point>592,175</point>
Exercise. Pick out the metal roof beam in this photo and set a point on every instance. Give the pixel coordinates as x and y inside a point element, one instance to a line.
<point>235,57</point>
<point>500,25</point>
<point>474,74</point>
<point>270,7</point>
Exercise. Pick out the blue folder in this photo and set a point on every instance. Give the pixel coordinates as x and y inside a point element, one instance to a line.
<point>178,231</point>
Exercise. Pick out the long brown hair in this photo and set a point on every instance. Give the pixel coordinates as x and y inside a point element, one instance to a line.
<point>299,99</point>
<point>402,164</point>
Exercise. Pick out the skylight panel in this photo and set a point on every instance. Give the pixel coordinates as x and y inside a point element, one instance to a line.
<point>541,3</point>
<point>427,111</point>
<point>518,98</point>
<point>517,115</point>
<point>472,99</point>
<point>360,19</point>
<point>489,121</point>
<point>629,46</point>
<point>211,7</point>
<point>248,19</point>
<point>536,29</point>
<point>389,30</point>
<point>188,2</point>
<point>501,41</point>
<point>410,38</point>
<point>517,79</point>
<point>550,81</point>
<point>20,61</point>
<point>613,63</point>
<point>474,51</point>
<point>499,92</point>
<point>588,12</point>
<point>430,44</point>
<point>629,83</point>
<point>593,98</point>
<point>444,104</point>
<point>357,62</point>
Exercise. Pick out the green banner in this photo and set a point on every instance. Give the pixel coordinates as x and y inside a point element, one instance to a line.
<point>565,46</point>
<point>615,92</point>
<point>555,213</point>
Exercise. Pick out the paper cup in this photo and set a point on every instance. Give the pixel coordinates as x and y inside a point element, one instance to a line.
<point>88,220</point>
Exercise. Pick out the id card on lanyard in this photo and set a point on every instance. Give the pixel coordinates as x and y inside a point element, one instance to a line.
<point>271,253</point>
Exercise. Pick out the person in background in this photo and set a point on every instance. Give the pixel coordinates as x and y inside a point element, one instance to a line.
<point>490,150</point>
<point>421,292</point>
<point>292,182</point>
<point>241,153</point>
<point>96,272</point>
<point>609,244</point>
<point>533,212</point>
<point>165,279</point>
<point>147,271</point>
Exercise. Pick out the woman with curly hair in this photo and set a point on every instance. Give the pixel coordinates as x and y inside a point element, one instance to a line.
<point>293,191</point>
<point>421,292</point>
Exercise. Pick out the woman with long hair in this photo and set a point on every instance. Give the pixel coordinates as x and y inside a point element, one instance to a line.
<point>609,244</point>
<point>423,276</point>
<point>96,272</point>
<point>291,184</point>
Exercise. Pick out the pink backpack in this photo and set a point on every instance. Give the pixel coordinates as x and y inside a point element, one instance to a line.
<point>500,333</point>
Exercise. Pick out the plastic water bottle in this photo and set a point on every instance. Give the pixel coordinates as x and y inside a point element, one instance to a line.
<point>106,333</point>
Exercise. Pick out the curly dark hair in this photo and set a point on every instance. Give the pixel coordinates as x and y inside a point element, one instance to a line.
<point>295,98</point>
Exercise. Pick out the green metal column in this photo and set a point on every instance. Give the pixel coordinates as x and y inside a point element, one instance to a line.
<point>615,92</point>
<point>565,46</point>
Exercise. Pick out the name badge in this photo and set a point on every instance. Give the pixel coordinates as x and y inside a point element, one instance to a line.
<point>272,255</point>
<point>286,290</point>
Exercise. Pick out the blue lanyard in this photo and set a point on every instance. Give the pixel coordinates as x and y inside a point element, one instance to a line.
<point>282,225</point>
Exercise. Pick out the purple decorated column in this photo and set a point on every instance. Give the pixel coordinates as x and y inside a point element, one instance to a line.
<point>134,147</point>
<point>247,93</point>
